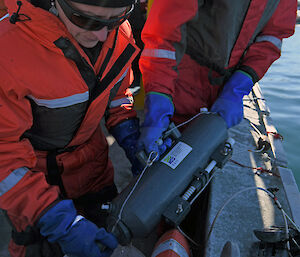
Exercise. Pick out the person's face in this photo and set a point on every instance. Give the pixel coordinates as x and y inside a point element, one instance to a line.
<point>89,38</point>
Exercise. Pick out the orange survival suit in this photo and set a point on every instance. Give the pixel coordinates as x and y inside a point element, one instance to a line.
<point>3,9</point>
<point>192,47</point>
<point>51,102</point>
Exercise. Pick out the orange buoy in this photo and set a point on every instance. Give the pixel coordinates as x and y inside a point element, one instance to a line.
<point>171,244</point>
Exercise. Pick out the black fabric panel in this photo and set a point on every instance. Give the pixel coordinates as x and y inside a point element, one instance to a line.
<point>93,52</point>
<point>54,177</point>
<point>270,8</point>
<point>251,72</point>
<point>114,71</point>
<point>213,34</point>
<point>54,128</point>
<point>225,19</point>
<point>113,93</point>
<point>107,57</point>
<point>105,62</point>
<point>72,53</point>
<point>30,236</point>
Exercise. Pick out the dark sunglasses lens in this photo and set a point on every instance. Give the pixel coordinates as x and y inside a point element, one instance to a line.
<point>86,23</point>
<point>115,24</point>
<point>92,23</point>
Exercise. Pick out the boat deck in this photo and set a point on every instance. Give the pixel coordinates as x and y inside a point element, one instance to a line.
<point>251,208</point>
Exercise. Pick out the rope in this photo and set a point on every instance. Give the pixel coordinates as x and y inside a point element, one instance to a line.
<point>150,161</point>
<point>254,98</point>
<point>255,128</point>
<point>188,237</point>
<point>270,194</point>
<point>202,111</point>
<point>257,151</point>
<point>183,123</point>
<point>275,135</point>
<point>196,196</point>
<point>259,170</point>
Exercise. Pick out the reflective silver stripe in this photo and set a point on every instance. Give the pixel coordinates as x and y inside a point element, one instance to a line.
<point>123,76</point>
<point>172,245</point>
<point>159,53</point>
<point>5,16</point>
<point>274,40</point>
<point>119,102</point>
<point>12,179</point>
<point>62,102</point>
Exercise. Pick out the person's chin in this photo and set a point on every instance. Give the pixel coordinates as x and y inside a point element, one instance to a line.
<point>88,43</point>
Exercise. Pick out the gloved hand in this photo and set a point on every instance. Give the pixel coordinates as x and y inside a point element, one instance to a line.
<point>126,134</point>
<point>229,105</point>
<point>76,235</point>
<point>158,111</point>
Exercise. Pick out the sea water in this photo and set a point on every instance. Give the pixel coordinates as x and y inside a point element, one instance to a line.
<point>281,89</point>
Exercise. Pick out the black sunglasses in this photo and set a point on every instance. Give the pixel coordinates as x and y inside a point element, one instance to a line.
<point>93,23</point>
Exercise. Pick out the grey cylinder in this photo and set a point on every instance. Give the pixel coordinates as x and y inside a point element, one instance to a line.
<point>163,181</point>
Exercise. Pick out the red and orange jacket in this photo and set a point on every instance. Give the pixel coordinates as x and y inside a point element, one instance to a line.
<point>3,9</point>
<point>230,34</point>
<point>46,103</point>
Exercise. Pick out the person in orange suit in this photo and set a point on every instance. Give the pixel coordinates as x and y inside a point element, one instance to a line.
<point>64,66</point>
<point>206,54</point>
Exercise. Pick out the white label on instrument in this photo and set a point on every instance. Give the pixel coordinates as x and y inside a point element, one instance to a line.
<point>177,154</point>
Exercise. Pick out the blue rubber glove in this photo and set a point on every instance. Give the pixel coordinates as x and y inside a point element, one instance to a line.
<point>76,235</point>
<point>158,111</point>
<point>229,105</point>
<point>126,134</point>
